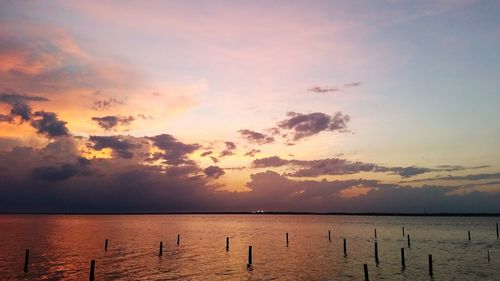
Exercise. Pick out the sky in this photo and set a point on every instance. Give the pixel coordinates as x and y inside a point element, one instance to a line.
<point>199,106</point>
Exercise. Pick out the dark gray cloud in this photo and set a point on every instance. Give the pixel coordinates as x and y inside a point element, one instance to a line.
<point>322,90</point>
<point>214,172</point>
<point>230,147</point>
<point>256,137</point>
<point>106,103</point>
<point>61,172</point>
<point>109,122</point>
<point>300,126</point>
<point>19,105</point>
<point>120,146</point>
<point>252,152</point>
<point>471,177</point>
<point>174,151</point>
<point>206,153</point>
<point>214,159</point>
<point>47,124</point>
<point>338,166</point>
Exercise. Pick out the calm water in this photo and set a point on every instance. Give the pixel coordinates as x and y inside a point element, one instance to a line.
<point>62,246</point>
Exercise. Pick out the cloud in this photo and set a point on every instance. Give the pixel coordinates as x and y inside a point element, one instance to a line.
<point>214,159</point>
<point>214,172</point>
<point>471,177</point>
<point>301,126</point>
<point>252,152</point>
<point>321,90</point>
<point>230,147</point>
<point>107,103</point>
<point>206,153</point>
<point>174,151</point>
<point>49,125</point>
<point>62,172</point>
<point>120,146</point>
<point>353,84</point>
<point>19,105</point>
<point>109,122</point>
<point>267,162</point>
<point>255,137</point>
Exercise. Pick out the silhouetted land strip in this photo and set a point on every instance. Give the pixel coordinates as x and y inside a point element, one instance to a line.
<point>263,213</point>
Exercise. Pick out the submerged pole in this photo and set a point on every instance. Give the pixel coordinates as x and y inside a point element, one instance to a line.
<point>26,260</point>
<point>375,233</point>
<point>488,251</point>
<point>403,263</point>
<point>365,267</point>
<point>403,231</point>
<point>409,244</point>
<point>249,256</point>
<point>329,236</point>
<point>227,244</point>
<point>345,248</point>
<point>376,253</point>
<point>497,232</point>
<point>431,273</point>
<point>161,249</point>
<point>106,245</point>
<point>468,232</point>
<point>92,267</point>
<point>287,239</point>
<point>178,239</point>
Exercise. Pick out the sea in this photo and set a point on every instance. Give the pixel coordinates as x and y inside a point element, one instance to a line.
<point>61,247</point>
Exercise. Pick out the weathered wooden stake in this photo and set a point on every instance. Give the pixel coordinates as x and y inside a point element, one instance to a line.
<point>431,272</point>
<point>403,231</point>
<point>488,251</point>
<point>365,267</point>
<point>26,260</point>
<point>498,235</point>
<point>161,249</point>
<point>287,239</point>
<point>376,253</point>
<point>468,232</point>
<point>409,244</point>
<point>249,255</point>
<point>227,244</point>
<point>375,233</point>
<point>92,267</point>
<point>403,263</point>
<point>178,239</point>
<point>345,248</point>
<point>106,245</point>
<point>329,236</point>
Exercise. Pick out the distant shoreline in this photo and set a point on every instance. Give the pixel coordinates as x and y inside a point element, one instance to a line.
<point>373,214</point>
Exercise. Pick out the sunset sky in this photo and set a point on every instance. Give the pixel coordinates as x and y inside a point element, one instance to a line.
<point>341,106</point>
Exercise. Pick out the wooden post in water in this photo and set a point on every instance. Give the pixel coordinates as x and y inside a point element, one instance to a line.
<point>403,263</point>
<point>287,239</point>
<point>497,232</point>
<point>227,244</point>
<point>365,267</point>
<point>161,249</point>
<point>345,248</point>
<point>178,239</point>
<point>403,231</point>
<point>329,236</point>
<point>92,267</point>
<point>376,253</point>
<point>409,244</point>
<point>431,272</point>
<point>26,260</point>
<point>375,233</point>
<point>106,245</point>
<point>468,232</point>
<point>488,251</point>
<point>249,256</point>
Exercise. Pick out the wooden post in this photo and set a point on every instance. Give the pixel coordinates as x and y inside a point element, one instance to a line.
<point>26,260</point>
<point>161,249</point>
<point>431,273</point>
<point>106,245</point>
<point>375,233</point>
<point>345,248</point>
<point>178,239</point>
<point>227,244</point>
<point>329,236</point>
<point>376,253</point>
<point>468,232</point>
<point>488,251</point>
<point>249,256</point>
<point>92,267</point>
<point>403,231</point>
<point>497,232</point>
<point>409,244</point>
<point>287,239</point>
<point>403,263</point>
<point>365,267</point>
